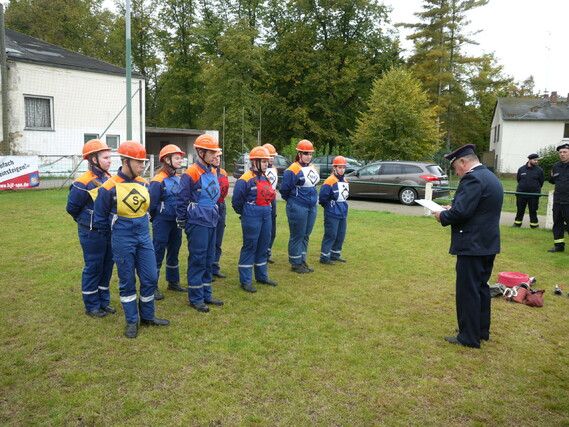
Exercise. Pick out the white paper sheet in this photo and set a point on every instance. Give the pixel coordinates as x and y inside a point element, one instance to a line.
<point>429,204</point>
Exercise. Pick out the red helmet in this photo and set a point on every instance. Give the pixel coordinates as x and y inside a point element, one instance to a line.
<point>132,150</point>
<point>169,150</point>
<point>271,149</point>
<point>206,142</point>
<point>259,153</point>
<point>306,146</point>
<point>94,146</point>
<point>339,161</point>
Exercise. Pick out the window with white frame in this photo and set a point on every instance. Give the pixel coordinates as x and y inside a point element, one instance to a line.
<point>566,131</point>
<point>39,112</point>
<point>113,141</point>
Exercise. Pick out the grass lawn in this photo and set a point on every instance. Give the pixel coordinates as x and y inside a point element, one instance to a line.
<point>353,344</point>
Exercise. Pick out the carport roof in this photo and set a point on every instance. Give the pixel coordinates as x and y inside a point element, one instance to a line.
<point>24,48</point>
<point>532,109</point>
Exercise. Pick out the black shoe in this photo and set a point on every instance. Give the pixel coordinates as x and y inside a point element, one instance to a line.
<point>454,340</point>
<point>214,302</point>
<point>270,260</point>
<point>98,312</point>
<point>299,268</point>
<point>268,282</point>
<point>154,322</point>
<point>175,286</point>
<point>158,295</point>
<point>200,306</point>
<point>109,309</point>
<point>339,259</point>
<point>249,288</point>
<point>220,275</point>
<point>305,265</point>
<point>534,226</point>
<point>131,330</point>
<point>516,225</point>
<point>483,339</point>
<point>556,249</point>
<point>327,262</point>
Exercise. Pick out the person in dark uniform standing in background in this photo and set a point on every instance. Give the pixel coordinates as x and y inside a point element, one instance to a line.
<point>97,250</point>
<point>530,180</point>
<point>560,178</point>
<point>474,218</point>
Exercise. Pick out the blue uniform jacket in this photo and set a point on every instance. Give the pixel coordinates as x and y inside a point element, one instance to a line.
<point>560,177</point>
<point>475,214</point>
<point>163,190</point>
<point>530,179</point>
<point>196,202</point>
<point>106,218</point>
<point>253,192</point>
<point>79,202</point>
<point>329,195</point>
<point>298,188</point>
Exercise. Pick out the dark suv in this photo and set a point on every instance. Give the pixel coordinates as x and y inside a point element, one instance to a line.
<point>281,163</point>
<point>396,180</point>
<point>324,165</point>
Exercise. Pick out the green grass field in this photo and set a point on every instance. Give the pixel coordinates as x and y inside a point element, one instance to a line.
<point>353,344</point>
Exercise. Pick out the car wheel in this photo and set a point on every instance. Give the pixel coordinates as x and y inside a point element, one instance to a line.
<point>407,196</point>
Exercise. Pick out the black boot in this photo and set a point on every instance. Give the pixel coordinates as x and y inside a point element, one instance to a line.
<point>158,295</point>
<point>131,330</point>
<point>175,286</point>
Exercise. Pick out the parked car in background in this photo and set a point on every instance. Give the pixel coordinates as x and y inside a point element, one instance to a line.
<point>281,163</point>
<point>324,165</point>
<point>394,180</point>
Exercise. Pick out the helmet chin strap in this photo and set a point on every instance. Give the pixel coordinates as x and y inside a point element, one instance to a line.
<point>132,174</point>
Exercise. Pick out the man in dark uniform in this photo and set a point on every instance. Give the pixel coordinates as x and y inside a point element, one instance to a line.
<point>474,218</point>
<point>560,177</point>
<point>530,180</point>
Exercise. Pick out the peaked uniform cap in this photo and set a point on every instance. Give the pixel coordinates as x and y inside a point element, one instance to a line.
<point>465,150</point>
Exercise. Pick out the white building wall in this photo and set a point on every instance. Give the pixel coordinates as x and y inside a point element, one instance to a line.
<point>83,102</point>
<point>518,139</point>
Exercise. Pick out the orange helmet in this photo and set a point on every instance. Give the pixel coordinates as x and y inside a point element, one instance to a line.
<point>271,149</point>
<point>206,142</point>
<point>132,150</point>
<point>259,153</point>
<point>339,161</point>
<point>306,146</point>
<point>94,146</point>
<point>169,150</point>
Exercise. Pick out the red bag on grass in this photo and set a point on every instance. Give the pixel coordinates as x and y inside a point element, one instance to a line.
<point>535,298</point>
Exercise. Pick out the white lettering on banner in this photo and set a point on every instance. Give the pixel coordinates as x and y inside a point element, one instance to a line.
<point>18,172</point>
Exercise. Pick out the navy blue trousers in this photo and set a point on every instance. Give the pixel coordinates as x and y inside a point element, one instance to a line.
<point>334,235</point>
<point>256,237</point>
<point>219,232</point>
<point>201,246</point>
<point>167,240</point>
<point>300,223</point>
<point>473,298</point>
<point>96,277</point>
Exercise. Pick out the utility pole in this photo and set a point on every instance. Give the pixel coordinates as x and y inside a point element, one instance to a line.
<point>6,149</point>
<point>128,75</point>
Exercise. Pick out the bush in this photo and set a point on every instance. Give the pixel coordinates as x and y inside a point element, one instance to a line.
<point>548,156</point>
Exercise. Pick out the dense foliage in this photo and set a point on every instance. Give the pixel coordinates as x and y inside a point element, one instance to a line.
<point>278,71</point>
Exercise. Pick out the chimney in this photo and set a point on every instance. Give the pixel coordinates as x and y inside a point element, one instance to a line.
<point>553,98</point>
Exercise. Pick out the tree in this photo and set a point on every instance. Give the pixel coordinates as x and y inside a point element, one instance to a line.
<point>399,122</point>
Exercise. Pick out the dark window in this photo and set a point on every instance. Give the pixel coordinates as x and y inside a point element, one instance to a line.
<point>566,131</point>
<point>90,136</point>
<point>39,112</point>
<point>113,141</point>
<point>370,170</point>
<point>412,169</point>
<point>391,170</point>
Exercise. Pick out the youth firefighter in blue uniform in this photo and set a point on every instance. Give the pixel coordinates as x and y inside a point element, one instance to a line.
<point>97,251</point>
<point>333,195</point>
<point>223,180</point>
<point>252,199</point>
<point>198,214</point>
<point>125,198</point>
<point>273,175</point>
<point>299,190</point>
<point>166,236</point>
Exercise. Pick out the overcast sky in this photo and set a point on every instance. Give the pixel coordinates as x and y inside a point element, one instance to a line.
<point>528,37</point>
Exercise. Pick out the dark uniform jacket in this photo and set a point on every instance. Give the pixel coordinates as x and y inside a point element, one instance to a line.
<point>530,179</point>
<point>475,214</point>
<point>560,177</point>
